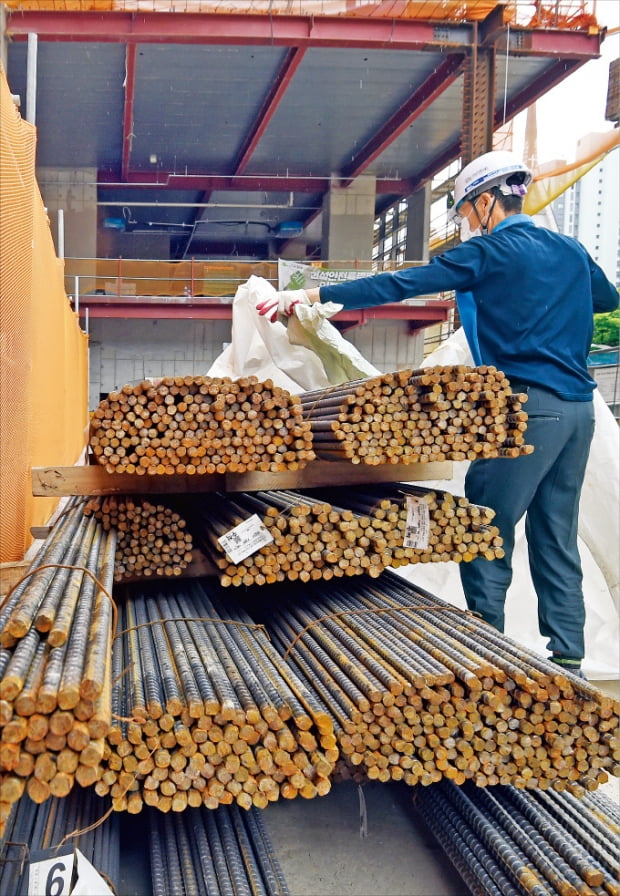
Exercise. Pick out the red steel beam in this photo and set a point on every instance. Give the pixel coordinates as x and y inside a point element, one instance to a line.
<point>130,94</point>
<point>272,101</point>
<point>239,29</point>
<point>179,308</point>
<point>417,103</point>
<point>107,180</point>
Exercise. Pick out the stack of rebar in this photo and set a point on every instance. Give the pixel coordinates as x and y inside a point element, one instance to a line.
<point>507,842</point>
<point>151,539</point>
<point>77,821</point>
<point>206,712</point>
<point>200,425</point>
<point>406,523</point>
<point>226,851</point>
<point>412,416</point>
<point>55,636</point>
<point>325,534</point>
<point>420,690</point>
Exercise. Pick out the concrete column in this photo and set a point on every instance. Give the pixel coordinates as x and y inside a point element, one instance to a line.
<point>418,224</point>
<point>348,221</point>
<point>73,191</point>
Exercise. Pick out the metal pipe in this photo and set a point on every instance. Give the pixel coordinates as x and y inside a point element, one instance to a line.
<point>31,78</point>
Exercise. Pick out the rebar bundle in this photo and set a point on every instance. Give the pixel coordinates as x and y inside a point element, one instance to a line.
<point>412,416</point>
<point>420,691</point>
<point>33,827</point>
<point>326,534</point>
<point>226,851</point>
<point>151,539</point>
<point>200,425</point>
<point>56,635</point>
<point>508,842</point>
<point>210,714</point>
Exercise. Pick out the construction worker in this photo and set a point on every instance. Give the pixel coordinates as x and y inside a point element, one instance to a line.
<point>526,296</point>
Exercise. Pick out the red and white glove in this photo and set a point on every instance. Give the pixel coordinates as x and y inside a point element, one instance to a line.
<point>282,304</point>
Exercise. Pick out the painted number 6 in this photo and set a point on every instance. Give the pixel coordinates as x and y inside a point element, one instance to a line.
<point>55,883</point>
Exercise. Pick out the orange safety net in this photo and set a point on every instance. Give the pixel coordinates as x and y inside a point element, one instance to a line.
<point>44,354</point>
<point>560,14</point>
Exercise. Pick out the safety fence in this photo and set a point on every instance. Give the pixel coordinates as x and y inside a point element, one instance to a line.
<point>43,383</point>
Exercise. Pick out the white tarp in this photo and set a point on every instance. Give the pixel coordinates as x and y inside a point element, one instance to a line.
<point>311,353</point>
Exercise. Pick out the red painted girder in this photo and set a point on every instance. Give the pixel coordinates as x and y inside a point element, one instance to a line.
<point>417,103</point>
<point>272,101</point>
<point>107,180</point>
<point>221,28</point>
<point>130,92</point>
<point>567,44</point>
<point>172,307</point>
<point>555,74</point>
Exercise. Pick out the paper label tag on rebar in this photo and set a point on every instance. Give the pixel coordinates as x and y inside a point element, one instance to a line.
<point>245,539</point>
<point>64,872</point>
<point>418,524</point>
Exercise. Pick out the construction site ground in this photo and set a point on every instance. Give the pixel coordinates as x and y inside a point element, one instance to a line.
<point>357,841</point>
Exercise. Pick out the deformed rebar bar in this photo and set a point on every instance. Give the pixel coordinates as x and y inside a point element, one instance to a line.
<point>321,534</point>
<point>76,820</point>
<point>504,840</point>
<point>424,691</point>
<point>196,425</point>
<point>225,851</point>
<point>213,714</point>
<point>414,416</point>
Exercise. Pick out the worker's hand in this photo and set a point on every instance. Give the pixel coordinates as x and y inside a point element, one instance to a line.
<point>282,304</point>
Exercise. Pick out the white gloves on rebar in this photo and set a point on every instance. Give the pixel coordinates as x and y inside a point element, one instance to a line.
<point>282,304</point>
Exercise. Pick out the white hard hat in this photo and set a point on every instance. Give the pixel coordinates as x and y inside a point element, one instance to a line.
<point>493,169</point>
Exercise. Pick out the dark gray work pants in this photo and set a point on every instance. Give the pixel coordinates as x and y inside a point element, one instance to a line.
<point>546,486</point>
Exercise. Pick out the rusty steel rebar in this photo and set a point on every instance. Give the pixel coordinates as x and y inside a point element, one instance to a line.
<point>151,539</point>
<point>411,416</point>
<point>212,715</point>
<point>196,425</point>
<point>504,840</point>
<point>321,534</point>
<point>55,682</point>
<point>226,851</point>
<point>423,691</point>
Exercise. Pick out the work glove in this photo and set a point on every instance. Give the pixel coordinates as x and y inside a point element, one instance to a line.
<point>282,304</point>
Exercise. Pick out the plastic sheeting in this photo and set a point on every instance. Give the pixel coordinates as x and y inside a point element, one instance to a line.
<point>309,353</point>
<point>310,350</point>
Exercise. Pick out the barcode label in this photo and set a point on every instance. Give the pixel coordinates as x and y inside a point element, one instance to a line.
<point>245,539</point>
<point>418,524</point>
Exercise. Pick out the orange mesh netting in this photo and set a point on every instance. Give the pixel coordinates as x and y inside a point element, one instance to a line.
<point>43,352</point>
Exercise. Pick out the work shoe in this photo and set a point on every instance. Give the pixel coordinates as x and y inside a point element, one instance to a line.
<point>569,665</point>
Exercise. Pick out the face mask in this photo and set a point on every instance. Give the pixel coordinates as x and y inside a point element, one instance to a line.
<point>467,232</point>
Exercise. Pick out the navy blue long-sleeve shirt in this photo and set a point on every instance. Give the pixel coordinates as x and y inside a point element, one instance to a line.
<point>535,292</point>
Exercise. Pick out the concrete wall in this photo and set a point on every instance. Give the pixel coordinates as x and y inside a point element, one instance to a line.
<point>127,351</point>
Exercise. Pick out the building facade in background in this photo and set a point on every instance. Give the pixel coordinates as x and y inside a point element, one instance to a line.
<point>590,212</point>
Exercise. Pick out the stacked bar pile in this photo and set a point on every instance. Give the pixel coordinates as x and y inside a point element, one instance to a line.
<point>200,425</point>
<point>420,691</point>
<point>151,539</point>
<point>326,534</point>
<point>33,827</point>
<point>227,851</point>
<point>56,637</point>
<point>413,416</point>
<point>206,711</point>
<point>507,842</point>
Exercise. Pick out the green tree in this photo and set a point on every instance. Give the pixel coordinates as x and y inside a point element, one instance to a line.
<point>606,328</point>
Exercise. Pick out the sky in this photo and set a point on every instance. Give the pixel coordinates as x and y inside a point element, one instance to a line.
<point>575,107</point>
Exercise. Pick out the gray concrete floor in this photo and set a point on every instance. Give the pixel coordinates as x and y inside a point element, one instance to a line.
<point>322,852</point>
